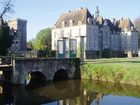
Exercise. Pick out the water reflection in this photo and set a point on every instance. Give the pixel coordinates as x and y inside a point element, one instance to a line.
<point>72,92</point>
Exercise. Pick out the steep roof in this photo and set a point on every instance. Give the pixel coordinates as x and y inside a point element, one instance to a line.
<point>113,27</point>
<point>125,23</point>
<point>78,15</point>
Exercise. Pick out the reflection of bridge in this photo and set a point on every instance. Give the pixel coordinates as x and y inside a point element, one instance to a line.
<point>46,94</point>
<point>21,69</point>
<point>62,93</point>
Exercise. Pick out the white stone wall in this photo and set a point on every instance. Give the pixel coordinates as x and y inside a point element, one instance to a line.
<point>73,32</point>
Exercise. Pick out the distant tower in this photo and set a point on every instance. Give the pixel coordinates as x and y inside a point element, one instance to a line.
<point>20,26</point>
<point>97,12</point>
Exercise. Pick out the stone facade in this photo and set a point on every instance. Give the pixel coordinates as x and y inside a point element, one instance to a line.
<point>19,43</point>
<point>99,34</point>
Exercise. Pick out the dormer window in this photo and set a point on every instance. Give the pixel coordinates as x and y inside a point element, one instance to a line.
<point>71,23</point>
<point>105,23</point>
<point>125,29</point>
<point>132,28</point>
<point>79,23</point>
<point>89,20</point>
<point>63,23</point>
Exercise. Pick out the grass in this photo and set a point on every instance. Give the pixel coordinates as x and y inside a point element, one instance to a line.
<point>117,70</point>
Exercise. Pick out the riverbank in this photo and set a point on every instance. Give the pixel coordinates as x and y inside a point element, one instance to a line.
<point>115,70</point>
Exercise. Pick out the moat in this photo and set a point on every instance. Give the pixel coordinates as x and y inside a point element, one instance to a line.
<point>71,92</point>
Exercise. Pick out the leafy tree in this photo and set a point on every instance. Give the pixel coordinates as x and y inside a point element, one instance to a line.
<point>30,44</point>
<point>43,40</point>
<point>6,6</point>
<point>137,24</point>
<point>5,39</point>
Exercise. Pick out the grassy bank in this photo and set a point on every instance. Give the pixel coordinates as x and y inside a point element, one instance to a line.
<point>117,70</point>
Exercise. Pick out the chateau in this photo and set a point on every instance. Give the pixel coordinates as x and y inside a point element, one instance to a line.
<point>100,37</point>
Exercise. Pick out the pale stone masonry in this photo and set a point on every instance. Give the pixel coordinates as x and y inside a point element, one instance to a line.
<point>19,43</point>
<point>118,36</point>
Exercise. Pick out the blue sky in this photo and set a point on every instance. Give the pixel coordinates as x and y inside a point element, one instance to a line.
<point>41,14</point>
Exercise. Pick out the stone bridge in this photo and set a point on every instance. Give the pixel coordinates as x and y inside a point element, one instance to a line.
<point>44,69</point>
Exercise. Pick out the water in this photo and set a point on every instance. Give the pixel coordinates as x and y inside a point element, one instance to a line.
<point>72,92</point>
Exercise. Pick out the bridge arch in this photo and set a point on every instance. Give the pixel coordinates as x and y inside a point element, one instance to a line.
<point>35,77</point>
<point>60,75</point>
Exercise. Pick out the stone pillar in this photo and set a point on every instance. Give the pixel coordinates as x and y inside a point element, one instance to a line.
<point>82,49</point>
<point>64,47</point>
<point>18,77</point>
<point>129,54</point>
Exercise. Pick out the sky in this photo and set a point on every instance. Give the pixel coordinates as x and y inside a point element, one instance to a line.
<point>42,14</point>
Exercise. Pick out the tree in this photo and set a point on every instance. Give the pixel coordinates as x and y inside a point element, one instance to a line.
<point>137,24</point>
<point>30,44</point>
<point>43,40</point>
<point>5,39</point>
<point>6,7</point>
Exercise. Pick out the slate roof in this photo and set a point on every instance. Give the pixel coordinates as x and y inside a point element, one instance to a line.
<point>78,15</point>
<point>113,27</point>
<point>83,14</point>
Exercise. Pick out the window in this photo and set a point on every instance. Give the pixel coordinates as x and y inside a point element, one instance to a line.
<point>71,23</point>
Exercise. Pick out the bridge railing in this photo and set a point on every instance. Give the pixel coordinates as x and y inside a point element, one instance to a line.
<point>6,60</point>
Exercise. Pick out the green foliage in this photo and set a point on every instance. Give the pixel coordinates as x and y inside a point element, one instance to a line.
<point>116,71</point>
<point>5,39</point>
<point>43,40</point>
<point>30,44</point>
<point>42,43</point>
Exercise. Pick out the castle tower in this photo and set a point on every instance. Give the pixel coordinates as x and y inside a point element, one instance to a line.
<point>19,43</point>
<point>97,12</point>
